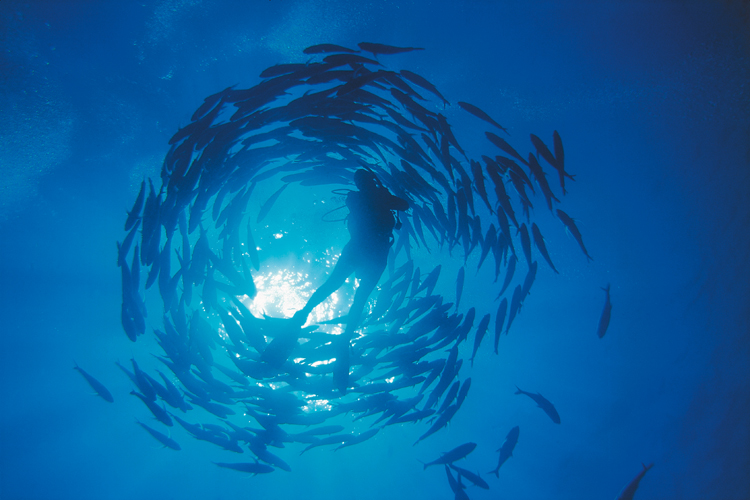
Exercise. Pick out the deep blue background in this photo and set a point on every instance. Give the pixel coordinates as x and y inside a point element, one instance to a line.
<point>652,102</point>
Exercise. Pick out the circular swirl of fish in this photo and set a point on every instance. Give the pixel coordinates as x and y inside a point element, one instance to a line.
<point>313,125</point>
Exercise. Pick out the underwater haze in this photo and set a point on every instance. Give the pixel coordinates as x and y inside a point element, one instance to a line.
<point>651,100</point>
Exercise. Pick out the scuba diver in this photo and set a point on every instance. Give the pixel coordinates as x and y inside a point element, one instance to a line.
<point>370,223</point>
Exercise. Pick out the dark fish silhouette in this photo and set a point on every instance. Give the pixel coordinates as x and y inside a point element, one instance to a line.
<point>499,320</point>
<point>629,491</point>
<point>543,150</point>
<point>269,203</point>
<point>515,306</point>
<point>456,486</point>
<point>379,48</point>
<point>159,413</point>
<point>541,179</point>
<point>95,384</point>
<point>135,213</point>
<point>606,312</point>
<point>525,242</point>
<point>481,331</point>
<point>325,48</point>
<point>509,272</point>
<point>425,84</point>
<point>474,478</point>
<point>506,450</point>
<point>162,438</point>
<point>249,467</point>
<point>542,403</point>
<point>455,454</point>
<point>480,114</point>
<point>459,285</point>
<point>570,225</point>
<point>539,242</point>
<point>502,144</point>
<point>351,59</point>
<point>560,160</point>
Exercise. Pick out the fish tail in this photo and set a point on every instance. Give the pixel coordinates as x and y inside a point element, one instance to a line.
<point>519,391</point>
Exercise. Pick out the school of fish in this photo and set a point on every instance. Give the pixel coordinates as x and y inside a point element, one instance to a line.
<point>261,383</point>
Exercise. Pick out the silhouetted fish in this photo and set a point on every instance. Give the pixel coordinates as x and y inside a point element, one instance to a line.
<point>539,242</point>
<point>249,467</point>
<point>162,438</point>
<point>379,48</point>
<point>422,82</point>
<point>629,491</point>
<point>96,385</point>
<point>606,312</point>
<point>544,404</point>
<point>570,225</point>
<point>506,450</point>
<point>454,455</point>
<point>325,48</point>
<point>480,114</point>
<point>269,203</point>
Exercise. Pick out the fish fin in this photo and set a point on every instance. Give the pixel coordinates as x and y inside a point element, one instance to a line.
<point>519,391</point>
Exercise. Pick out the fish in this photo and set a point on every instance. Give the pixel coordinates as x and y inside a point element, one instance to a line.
<point>528,281</point>
<point>135,213</point>
<point>525,242</point>
<point>570,225</point>
<point>379,48</point>
<point>441,422</point>
<point>269,203</point>
<point>499,320</point>
<point>502,144</point>
<point>539,242</point>
<point>142,382</point>
<point>474,478</point>
<point>629,491</point>
<point>541,179</point>
<point>249,467</point>
<point>162,438</point>
<point>454,455</point>
<point>509,272</point>
<point>515,306</point>
<point>360,438</point>
<point>456,486</point>
<point>543,150</point>
<point>425,84</point>
<point>501,193</point>
<point>430,281</point>
<point>259,450</point>
<point>326,48</point>
<point>542,403</point>
<point>489,241</point>
<point>450,396</point>
<point>560,160</point>
<point>480,114</point>
<point>606,312</point>
<point>481,331</point>
<point>98,387</point>
<point>351,59</point>
<point>463,392</point>
<point>459,285</point>
<point>506,450</point>
<point>158,412</point>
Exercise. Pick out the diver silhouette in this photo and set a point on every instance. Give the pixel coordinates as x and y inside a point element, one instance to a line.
<point>370,223</point>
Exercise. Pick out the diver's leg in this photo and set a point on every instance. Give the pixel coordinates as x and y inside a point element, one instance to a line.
<point>369,273</point>
<point>344,267</point>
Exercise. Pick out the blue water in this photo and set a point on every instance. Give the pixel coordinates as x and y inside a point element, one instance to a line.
<point>651,100</point>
